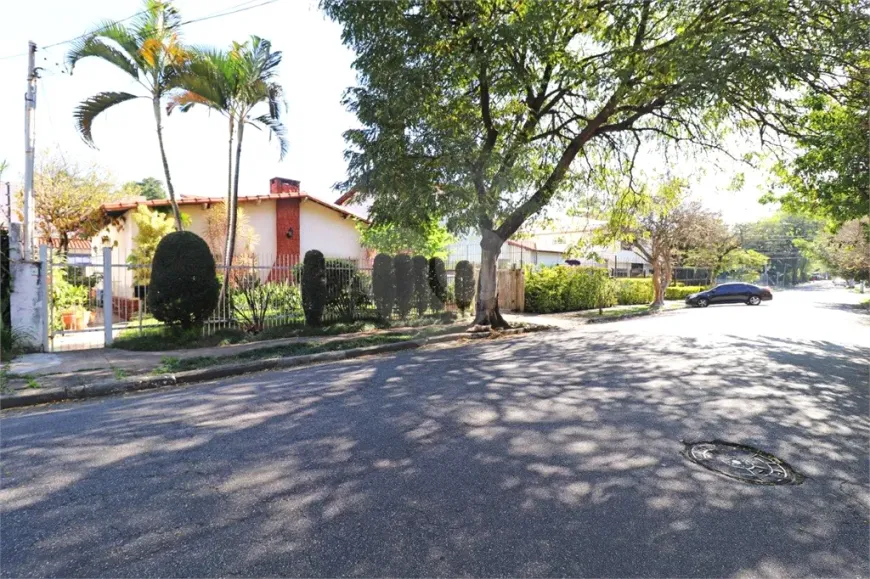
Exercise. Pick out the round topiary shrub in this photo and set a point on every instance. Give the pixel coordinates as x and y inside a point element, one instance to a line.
<point>464,285</point>
<point>438,283</point>
<point>184,287</point>
<point>384,284</point>
<point>313,287</point>
<point>404,283</point>
<point>420,268</point>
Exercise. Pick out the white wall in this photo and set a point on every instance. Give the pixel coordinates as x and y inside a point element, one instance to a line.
<point>329,232</point>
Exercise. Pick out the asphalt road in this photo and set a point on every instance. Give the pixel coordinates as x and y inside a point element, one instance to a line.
<point>549,455</point>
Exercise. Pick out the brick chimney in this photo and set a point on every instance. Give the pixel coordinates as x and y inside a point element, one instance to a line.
<point>282,185</point>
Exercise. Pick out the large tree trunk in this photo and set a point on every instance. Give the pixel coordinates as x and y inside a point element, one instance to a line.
<point>232,212</point>
<point>169,188</point>
<point>486,304</point>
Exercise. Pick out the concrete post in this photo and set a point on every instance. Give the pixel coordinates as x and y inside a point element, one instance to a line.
<point>107,295</point>
<point>28,300</point>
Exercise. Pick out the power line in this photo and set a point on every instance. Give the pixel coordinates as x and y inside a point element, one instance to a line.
<point>243,7</point>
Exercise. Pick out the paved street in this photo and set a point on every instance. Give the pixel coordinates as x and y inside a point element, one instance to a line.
<point>555,454</point>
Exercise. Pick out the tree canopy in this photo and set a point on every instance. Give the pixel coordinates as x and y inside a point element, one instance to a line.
<point>829,177</point>
<point>431,240</point>
<point>481,111</point>
<point>67,198</point>
<point>149,188</point>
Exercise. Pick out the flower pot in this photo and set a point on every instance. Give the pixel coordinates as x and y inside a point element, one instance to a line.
<point>83,318</point>
<point>68,318</point>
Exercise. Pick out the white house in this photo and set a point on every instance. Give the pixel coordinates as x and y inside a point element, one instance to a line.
<point>287,221</point>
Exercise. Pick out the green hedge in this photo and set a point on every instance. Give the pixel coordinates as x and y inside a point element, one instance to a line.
<point>682,292</point>
<point>564,288</point>
<point>631,292</point>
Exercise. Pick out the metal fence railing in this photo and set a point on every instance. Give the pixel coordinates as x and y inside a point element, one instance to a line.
<point>94,299</point>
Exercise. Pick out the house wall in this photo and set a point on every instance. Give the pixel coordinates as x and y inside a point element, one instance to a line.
<point>328,231</point>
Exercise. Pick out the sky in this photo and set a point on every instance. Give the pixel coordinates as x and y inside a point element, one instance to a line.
<point>315,71</point>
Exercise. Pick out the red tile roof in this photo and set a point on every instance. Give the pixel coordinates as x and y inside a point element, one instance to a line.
<point>74,243</point>
<point>127,204</point>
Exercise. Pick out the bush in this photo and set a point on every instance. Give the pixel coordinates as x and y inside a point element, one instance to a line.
<point>564,288</point>
<point>630,292</point>
<point>384,285</point>
<point>404,283</point>
<point>313,287</point>
<point>464,285</point>
<point>422,297</point>
<point>346,291</point>
<point>184,287</point>
<point>438,283</point>
<point>682,292</point>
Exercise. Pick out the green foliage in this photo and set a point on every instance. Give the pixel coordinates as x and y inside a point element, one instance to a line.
<point>149,188</point>
<point>476,112</point>
<point>422,294</point>
<point>563,288</point>
<point>429,239</point>
<point>682,292</point>
<point>464,285</point>
<point>830,176</point>
<point>384,284</point>
<point>438,283</point>
<point>184,286</point>
<point>630,292</point>
<point>314,294</point>
<point>346,289</point>
<point>404,273</point>
<point>153,226</point>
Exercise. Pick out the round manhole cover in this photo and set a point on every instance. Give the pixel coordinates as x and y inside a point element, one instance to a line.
<point>743,463</point>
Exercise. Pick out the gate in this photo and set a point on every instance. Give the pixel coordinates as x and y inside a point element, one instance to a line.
<point>511,290</point>
<point>92,298</point>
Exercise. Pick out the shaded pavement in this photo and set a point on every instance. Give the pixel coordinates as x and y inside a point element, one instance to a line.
<point>555,454</point>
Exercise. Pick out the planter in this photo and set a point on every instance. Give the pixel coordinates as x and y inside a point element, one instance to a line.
<point>75,319</point>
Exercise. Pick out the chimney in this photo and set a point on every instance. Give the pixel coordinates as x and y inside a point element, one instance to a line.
<point>282,185</point>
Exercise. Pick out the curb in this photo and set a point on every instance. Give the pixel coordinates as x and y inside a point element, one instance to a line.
<point>109,387</point>
<point>612,319</point>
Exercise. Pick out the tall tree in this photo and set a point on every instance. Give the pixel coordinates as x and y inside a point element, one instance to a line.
<point>67,199</point>
<point>783,238</point>
<point>477,111</point>
<point>150,51</point>
<point>149,188</point>
<point>659,224</point>
<point>236,83</point>
<point>829,177</point>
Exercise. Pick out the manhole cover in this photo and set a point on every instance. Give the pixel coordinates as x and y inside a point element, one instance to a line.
<point>743,463</point>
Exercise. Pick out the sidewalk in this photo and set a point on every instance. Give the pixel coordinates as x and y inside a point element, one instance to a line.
<point>75,368</point>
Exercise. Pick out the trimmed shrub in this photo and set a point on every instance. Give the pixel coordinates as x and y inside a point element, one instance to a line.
<point>464,285</point>
<point>630,292</point>
<point>682,292</point>
<point>384,284</point>
<point>314,292</point>
<point>420,269</point>
<point>184,287</point>
<point>564,288</point>
<point>403,270</point>
<point>438,283</point>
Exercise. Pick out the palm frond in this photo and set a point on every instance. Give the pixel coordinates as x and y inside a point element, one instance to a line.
<point>277,128</point>
<point>96,46</point>
<point>88,110</point>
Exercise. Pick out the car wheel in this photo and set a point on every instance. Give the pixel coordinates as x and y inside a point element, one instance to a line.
<point>703,303</point>
<point>754,300</point>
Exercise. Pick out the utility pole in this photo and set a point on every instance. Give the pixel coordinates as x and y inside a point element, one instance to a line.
<point>29,149</point>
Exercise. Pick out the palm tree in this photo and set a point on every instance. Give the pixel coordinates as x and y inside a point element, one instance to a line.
<point>235,83</point>
<point>150,51</point>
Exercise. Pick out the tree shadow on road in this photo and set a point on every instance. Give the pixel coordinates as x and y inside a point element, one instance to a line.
<point>554,455</point>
